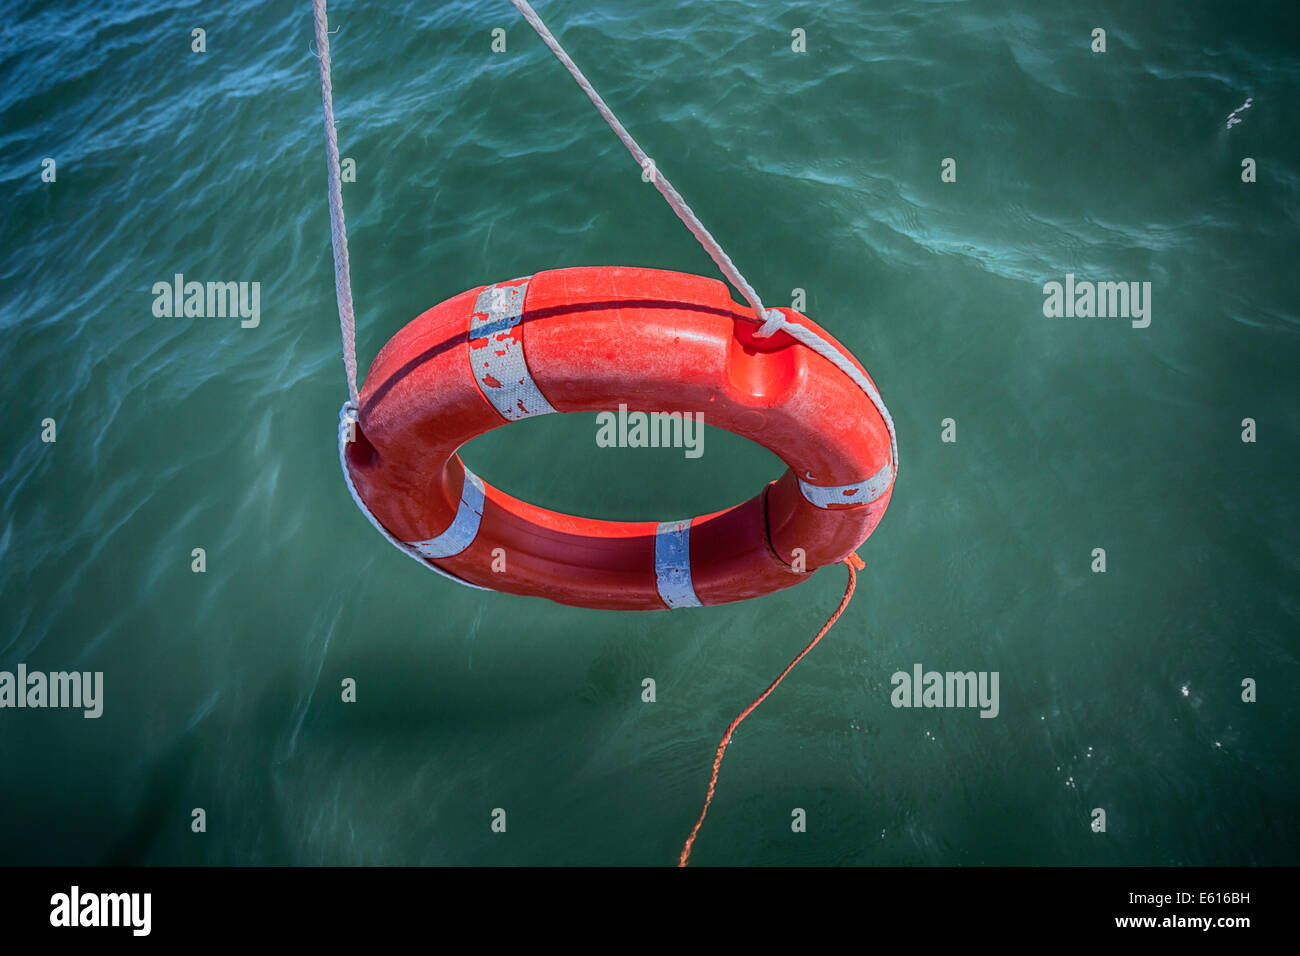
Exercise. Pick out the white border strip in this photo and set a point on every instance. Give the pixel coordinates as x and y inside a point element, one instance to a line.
<point>464,527</point>
<point>347,418</point>
<point>859,493</point>
<point>496,356</point>
<point>673,564</point>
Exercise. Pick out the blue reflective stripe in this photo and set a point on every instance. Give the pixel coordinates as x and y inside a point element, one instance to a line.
<point>673,564</point>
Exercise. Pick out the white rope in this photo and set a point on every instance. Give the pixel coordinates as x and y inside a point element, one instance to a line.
<point>670,194</point>
<point>771,320</point>
<point>343,291</point>
<point>833,355</point>
<point>338,228</point>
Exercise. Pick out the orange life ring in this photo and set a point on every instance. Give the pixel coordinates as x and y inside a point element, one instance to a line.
<point>592,339</point>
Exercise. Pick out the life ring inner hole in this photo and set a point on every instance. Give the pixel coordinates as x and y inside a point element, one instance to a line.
<point>555,462</point>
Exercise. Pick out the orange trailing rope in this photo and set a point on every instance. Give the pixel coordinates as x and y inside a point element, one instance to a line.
<point>854,564</point>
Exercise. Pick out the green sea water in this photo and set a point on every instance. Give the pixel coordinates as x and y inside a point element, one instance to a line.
<point>817,170</point>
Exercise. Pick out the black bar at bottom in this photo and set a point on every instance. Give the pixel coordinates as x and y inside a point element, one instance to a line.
<point>211,905</point>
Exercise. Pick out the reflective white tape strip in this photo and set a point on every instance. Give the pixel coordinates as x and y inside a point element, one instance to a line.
<point>496,353</point>
<point>464,528</point>
<point>347,433</point>
<point>861,493</point>
<point>673,564</point>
